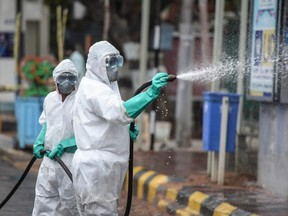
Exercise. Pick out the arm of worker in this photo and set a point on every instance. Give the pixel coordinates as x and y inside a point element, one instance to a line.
<point>68,145</point>
<point>39,143</point>
<point>137,104</point>
<point>133,133</point>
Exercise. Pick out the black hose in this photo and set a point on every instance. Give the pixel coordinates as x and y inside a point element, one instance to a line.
<point>130,168</point>
<point>130,174</point>
<point>131,149</point>
<point>171,78</point>
<point>19,182</point>
<point>66,169</point>
<point>142,87</point>
<point>61,163</point>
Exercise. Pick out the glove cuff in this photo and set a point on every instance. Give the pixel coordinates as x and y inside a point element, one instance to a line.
<point>38,147</point>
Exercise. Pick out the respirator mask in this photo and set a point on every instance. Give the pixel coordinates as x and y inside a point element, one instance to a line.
<point>66,82</point>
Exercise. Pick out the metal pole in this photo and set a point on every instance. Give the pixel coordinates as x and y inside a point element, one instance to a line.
<point>156,47</point>
<point>218,34</point>
<point>59,32</point>
<point>240,84</point>
<point>184,88</point>
<point>17,43</point>
<point>205,44</point>
<point>223,139</point>
<point>144,39</point>
<point>217,50</point>
<point>214,165</point>
<point>16,47</point>
<point>143,51</point>
<point>106,19</point>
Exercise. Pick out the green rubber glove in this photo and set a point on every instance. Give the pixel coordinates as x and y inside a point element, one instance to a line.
<point>133,134</point>
<point>39,143</point>
<point>68,145</point>
<point>137,104</point>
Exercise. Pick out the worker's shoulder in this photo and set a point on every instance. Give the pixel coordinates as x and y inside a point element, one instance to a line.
<point>92,84</point>
<point>95,90</point>
<point>52,95</point>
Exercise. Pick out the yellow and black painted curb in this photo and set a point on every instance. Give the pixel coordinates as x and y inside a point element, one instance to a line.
<point>187,201</point>
<point>149,185</point>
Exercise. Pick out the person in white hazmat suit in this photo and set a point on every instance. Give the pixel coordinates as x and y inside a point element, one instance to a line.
<point>101,121</point>
<point>54,192</point>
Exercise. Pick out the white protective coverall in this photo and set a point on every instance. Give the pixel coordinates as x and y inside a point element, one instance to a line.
<point>54,190</point>
<point>101,130</point>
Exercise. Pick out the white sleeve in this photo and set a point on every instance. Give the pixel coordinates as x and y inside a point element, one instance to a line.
<point>42,118</point>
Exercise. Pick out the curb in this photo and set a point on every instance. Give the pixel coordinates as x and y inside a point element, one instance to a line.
<point>146,183</point>
<point>149,185</point>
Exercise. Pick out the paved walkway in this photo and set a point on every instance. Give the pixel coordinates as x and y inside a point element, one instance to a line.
<point>190,191</point>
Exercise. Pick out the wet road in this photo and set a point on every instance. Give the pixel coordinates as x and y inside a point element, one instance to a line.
<point>190,167</point>
<point>21,203</point>
<point>176,164</point>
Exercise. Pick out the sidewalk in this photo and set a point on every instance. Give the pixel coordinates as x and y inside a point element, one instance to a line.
<point>186,189</point>
<point>195,194</point>
<point>176,182</point>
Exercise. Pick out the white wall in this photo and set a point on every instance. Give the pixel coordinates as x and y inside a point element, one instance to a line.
<point>31,11</point>
<point>36,11</point>
<point>273,149</point>
<point>8,77</point>
<point>7,67</point>
<point>7,15</point>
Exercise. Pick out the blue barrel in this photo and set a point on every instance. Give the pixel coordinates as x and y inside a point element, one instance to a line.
<point>27,112</point>
<point>212,120</point>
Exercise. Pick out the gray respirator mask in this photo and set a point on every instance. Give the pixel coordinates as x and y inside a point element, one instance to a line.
<point>113,63</point>
<point>66,82</point>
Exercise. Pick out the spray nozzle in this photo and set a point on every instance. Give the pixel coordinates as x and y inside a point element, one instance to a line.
<point>171,77</point>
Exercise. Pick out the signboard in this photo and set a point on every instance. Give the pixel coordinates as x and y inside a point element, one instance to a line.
<point>7,27</point>
<point>6,44</point>
<point>261,83</point>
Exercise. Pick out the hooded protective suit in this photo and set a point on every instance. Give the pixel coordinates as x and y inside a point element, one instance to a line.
<point>100,123</point>
<point>54,190</point>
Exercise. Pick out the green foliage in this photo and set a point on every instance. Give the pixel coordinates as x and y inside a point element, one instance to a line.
<point>37,72</point>
<point>27,69</point>
<point>45,69</point>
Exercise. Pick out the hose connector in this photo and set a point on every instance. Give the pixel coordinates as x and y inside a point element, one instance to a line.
<point>171,77</point>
